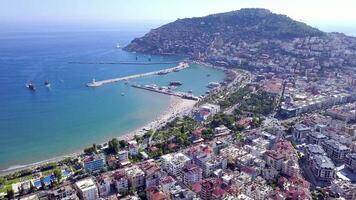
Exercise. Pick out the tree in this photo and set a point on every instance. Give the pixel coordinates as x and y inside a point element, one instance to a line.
<point>2,181</point>
<point>90,150</point>
<point>207,134</point>
<point>10,193</point>
<point>113,146</point>
<point>123,144</point>
<point>43,185</point>
<point>58,174</point>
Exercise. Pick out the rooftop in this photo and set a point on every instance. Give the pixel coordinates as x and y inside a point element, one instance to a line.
<point>85,184</point>
<point>323,162</point>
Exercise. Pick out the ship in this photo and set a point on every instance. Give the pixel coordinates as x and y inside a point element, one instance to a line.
<point>175,83</point>
<point>213,85</point>
<point>118,46</point>
<point>47,84</point>
<point>162,73</point>
<point>31,86</point>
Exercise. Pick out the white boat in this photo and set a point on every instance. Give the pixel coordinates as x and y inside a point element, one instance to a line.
<point>118,46</point>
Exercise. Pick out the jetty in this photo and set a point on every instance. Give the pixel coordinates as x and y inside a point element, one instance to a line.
<point>121,62</point>
<point>167,91</point>
<point>181,65</point>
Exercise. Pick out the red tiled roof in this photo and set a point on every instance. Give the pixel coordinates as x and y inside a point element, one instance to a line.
<point>155,194</point>
<point>167,179</point>
<point>196,187</point>
<point>218,192</point>
<point>119,174</point>
<point>192,168</point>
<point>274,154</point>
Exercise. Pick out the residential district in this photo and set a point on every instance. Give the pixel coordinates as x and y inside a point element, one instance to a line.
<point>269,133</point>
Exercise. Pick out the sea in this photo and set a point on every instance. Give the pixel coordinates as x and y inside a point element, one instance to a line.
<point>68,116</point>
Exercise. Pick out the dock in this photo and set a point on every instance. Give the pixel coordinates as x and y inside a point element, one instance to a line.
<point>164,90</point>
<point>121,62</point>
<point>180,66</point>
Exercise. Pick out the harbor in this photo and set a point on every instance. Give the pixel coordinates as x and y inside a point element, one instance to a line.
<point>121,62</point>
<point>181,65</point>
<point>167,91</point>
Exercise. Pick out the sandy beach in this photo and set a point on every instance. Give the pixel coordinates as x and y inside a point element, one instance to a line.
<point>178,107</point>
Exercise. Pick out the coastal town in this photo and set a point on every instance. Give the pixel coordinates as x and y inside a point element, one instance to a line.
<point>281,125</point>
<point>259,134</point>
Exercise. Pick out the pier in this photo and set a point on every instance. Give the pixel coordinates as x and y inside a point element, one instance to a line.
<point>181,66</point>
<point>121,62</point>
<point>165,90</point>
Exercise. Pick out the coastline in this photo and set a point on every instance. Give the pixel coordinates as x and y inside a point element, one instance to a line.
<point>177,107</point>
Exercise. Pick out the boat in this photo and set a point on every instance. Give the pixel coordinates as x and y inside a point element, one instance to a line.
<point>190,91</point>
<point>149,59</point>
<point>122,94</point>
<point>213,85</point>
<point>162,73</point>
<point>208,75</point>
<point>176,70</point>
<point>31,86</point>
<point>47,84</point>
<point>175,83</point>
<point>118,46</point>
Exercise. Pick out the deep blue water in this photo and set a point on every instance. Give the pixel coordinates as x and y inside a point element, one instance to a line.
<point>69,116</point>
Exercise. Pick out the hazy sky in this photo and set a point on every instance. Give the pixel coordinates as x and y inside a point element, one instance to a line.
<point>315,12</point>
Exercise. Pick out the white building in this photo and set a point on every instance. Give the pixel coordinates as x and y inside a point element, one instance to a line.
<point>123,156</point>
<point>133,147</point>
<point>87,189</point>
<point>174,163</point>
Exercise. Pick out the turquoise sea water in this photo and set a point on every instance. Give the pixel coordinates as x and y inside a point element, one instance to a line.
<point>39,125</point>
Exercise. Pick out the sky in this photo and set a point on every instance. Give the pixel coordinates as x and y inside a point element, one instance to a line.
<point>319,13</point>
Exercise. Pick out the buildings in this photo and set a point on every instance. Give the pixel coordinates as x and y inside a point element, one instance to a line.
<point>322,167</point>
<point>350,161</point>
<point>64,193</point>
<point>335,150</point>
<point>313,149</point>
<point>211,189</point>
<point>94,163</point>
<point>104,184</point>
<point>221,130</point>
<point>174,163</point>
<point>206,110</point>
<point>152,172</point>
<point>121,181</point>
<point>300,131</point>
<point>153,193</point>
<point>133,148</point>
<point>191,174</point>
<point>135,176</point>
<point>316,138</point>
<point>345,189</point>
<point>87,189</point>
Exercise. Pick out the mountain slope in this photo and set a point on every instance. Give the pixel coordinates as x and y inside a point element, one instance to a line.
<point>251,24</point>
<point>250,37</point>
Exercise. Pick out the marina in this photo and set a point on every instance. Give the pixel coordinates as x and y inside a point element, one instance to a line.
<point>95,83</point>
<point>167,91</point>
<point>123,62</point>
